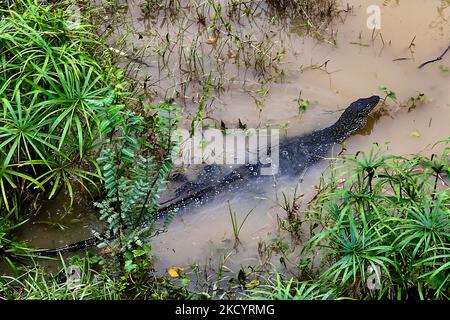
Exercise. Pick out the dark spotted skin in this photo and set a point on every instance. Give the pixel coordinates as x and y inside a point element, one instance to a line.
<point>295,155</point>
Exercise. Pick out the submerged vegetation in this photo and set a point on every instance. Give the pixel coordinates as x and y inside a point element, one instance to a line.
<point>70,117</point>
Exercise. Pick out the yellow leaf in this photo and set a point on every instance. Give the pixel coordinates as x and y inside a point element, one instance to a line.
<point>212,40</point>
<point>415,134</point>
<point>173,272</point>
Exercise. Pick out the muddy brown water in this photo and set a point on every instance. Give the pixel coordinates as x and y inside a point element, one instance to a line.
<point>357,65</point>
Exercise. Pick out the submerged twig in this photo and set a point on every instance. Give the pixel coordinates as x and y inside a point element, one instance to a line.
<point>401,59</point>
<point>437,59</point>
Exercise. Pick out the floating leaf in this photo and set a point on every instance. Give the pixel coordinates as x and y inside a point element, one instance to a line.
<point>262,91</point>
<point>252,284</point>
<point>212,40</point>
<point>174,272</point>
<point>415,134</point>
<point>184,282</point>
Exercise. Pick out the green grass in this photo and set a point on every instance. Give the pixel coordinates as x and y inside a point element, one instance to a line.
<point>61,103</point>
<point>291,289</point>
<point>64,109</point>
<point>384,219</point>
<point>53,94</point>
<point>37,284</point>
<point>10,249</point>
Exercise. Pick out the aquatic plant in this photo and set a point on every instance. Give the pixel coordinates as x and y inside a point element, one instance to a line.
<point>38,284</point>
<point>11,250</point>
<point>388,223</point>
<point>280,289</point>
<point>236,225</point>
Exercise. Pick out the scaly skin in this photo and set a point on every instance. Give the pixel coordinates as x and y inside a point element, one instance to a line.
<point>296,154</point>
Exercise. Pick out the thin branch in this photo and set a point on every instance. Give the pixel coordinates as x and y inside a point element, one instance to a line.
<point>437,59</point>
<point>412,44</point>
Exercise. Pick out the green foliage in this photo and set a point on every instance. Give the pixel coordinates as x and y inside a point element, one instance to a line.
<point>413,102</point>
<point>289,290</point>
<point>37,284</point>
<point>303,105</point>
<point>389,93</point>
<point>63,106</point>
<point>53,97</point>
<point>134,181</point>
<point>380,229</point>
<point>310,13</point>
<point>10,249</point>
<point>390,215</point>
<point>236,225</point>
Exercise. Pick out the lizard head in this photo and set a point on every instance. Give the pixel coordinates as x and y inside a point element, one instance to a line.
<point>355,116</point>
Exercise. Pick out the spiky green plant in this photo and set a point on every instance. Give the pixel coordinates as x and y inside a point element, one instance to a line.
<point>390,215</point>
<point>291,289</point>
<point>53,93</point>
<point>37,284</point>
<point>10,249</point>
